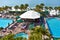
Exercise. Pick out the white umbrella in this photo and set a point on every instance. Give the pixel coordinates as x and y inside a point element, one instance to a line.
<point>30,15</point>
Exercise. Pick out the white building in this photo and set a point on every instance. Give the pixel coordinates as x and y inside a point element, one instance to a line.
<point>54,12</point>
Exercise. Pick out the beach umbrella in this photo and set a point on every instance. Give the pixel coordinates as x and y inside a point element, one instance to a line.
<point>20,21</point>
<point>30,15</point>
<point>17,17</point>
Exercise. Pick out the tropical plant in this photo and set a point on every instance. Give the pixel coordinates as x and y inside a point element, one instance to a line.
<point>6,7</point>
<point>42,5</point>
<point>11,37</point>
<point>8,37</point>
<point>55,8</point>
<point>21,7</point>
<point>20,38</point>
<point>58,8</point>
<point>1,28</point>
<point>25,6</point>
<point>46,7</point>
<point>38,32</point>
<point>10,7</point>
<point>1,9</point>
<point>35,34</point>
<point>16,7</point>
<point>37,8</point>
<point>50,8</point>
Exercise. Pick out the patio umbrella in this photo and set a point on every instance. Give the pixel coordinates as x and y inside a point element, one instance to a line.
<point>20,21</point>
<point>30,15</point>
<point>17,17</point>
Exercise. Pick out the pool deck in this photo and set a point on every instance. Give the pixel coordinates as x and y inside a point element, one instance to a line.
<point>14,31</point>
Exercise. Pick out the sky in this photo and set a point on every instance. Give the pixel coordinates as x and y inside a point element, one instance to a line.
<point>31,3</point>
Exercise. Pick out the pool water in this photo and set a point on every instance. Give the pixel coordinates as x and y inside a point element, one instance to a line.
<point>5,22</point>
<point>21,34</point>
<point>54,27</point>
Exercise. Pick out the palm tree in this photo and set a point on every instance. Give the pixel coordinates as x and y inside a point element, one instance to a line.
<point>1,28</point>
<point>37,8</point>
<point>8,37</point>
<point>40,32</point>
<point>50,8</point>
<point>11,37</point>
<point>55,8</point>
<point>18,38</point>
<point>35,37</point>
<point>6,7</point>
<point>25,7</point>
<point>46,7</point>
<point>16,7</point>
<point>35,34</point>
<point>58,8</point>
<point>10,7</point>
<point>21,7</point>
<point>45,32</point>
<point>42,5</point>
<point>24,39</point>
<point>1,9</point>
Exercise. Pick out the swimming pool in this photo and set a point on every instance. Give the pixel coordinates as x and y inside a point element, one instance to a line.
<point>5,22</point>
<point>21,34</point>
<point>54,27</point>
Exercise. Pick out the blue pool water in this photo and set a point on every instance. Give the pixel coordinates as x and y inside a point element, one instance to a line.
<point>4,22</point>
<point>24,35</point>
<point>54,27</point>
